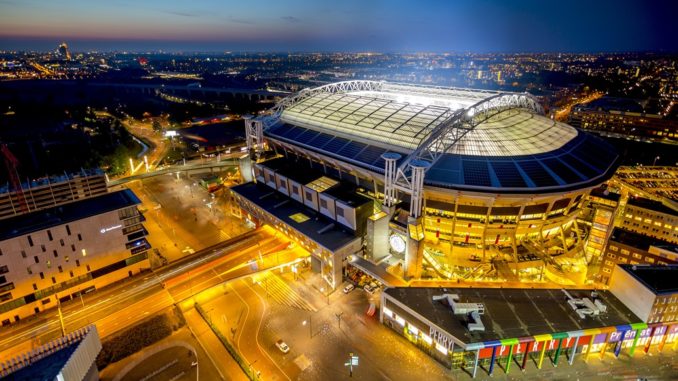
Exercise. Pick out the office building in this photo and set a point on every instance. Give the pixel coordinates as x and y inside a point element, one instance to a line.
<point>63,251</point>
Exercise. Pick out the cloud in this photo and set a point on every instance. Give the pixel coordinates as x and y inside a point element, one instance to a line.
<point>183,14</point>
<point>291,19</point>
<point>240,21</point>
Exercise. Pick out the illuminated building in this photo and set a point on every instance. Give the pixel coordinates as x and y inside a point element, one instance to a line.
<point>482,329</point>
<point>650,291</point>
<point>601,208</point>
<point>458,177</point>
<point>626,247</point>
<point>51,191</point>
<point>63,51</point>
<point>651,218</point>
<point>599,117</point>
<point>72,357</point>
<point>68,250</point>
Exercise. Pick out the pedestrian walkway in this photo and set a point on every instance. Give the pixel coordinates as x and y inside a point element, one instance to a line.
<point>282,293</point>
<point>228,368</point>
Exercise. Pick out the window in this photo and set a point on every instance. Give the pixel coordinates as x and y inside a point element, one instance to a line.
<point>56,255</point>
<point>340,212</point>
<point>30,241</point>
<point>79,237</point>
<point>36,259</point>
<point>49,264</point>
<point>30,272</point>
<point>0,251</point>
<point>68,230</point>
<point>309,195</point>
<point>61,269</point>
<point>637,256</point>
<point>49,235</point>
<point>61,241</point>
<point>87,267</point>
<point>323,203</point>
<point>67,258</point>
<point>35,287</point>
<point>53,280</point>
<point>23,253</point>
<point>43,248</point>
<point>42,275</point>
<point>77,262</point>
<point>72,247</point>
<point>71,273</point>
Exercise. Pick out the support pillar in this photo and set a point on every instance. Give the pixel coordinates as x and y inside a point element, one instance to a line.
<point>602,350</point>
<point>666,335</point>
<point>494,356</point>
<point>510,357</point>
<point>588,350</point>
<point>417,187</point>
<point>635,341</point>
<point>541,356</point>
<point>555,358</point>
<point>475,363</point>
<point>617,349</point>
<point>574,349</point>
<point>649,341</point>
<point>526,355</point>
<point>390,159</point>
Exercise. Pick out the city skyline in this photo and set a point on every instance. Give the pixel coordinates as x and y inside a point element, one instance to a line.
<point>489,26</point>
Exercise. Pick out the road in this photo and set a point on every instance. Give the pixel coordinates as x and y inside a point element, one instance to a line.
<point>123,305</point>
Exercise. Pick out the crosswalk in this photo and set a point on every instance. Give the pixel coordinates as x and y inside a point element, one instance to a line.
<point>223,236</point>
<point>276,288</point>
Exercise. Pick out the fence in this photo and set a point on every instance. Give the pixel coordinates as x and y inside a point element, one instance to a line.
<point>229,347</point>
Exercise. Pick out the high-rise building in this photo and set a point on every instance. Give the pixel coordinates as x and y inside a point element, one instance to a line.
<point>64,52</point>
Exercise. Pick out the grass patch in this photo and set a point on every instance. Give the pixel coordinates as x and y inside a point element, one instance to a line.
<point>139,336</point>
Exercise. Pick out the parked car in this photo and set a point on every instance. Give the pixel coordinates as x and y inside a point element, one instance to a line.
<point>369,289</point>
<point>284,348</point>
<point>349,287</point>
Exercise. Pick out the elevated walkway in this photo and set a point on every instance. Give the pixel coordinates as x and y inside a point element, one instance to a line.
<point>378,272</point>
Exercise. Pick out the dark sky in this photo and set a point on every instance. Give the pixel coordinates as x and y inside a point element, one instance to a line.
<point>341,25</point>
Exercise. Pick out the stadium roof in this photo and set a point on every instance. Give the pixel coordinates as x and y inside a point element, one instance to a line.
<point>507,145</point>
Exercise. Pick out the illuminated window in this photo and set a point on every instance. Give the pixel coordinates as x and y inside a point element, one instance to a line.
<point>427,339</point>
<point>388,312</point>
<point>84,252</point>
<point>412,329</point>
<point>441,349</point>
<point>400,320</point>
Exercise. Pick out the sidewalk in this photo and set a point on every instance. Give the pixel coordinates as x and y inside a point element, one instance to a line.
<point>228,368</point>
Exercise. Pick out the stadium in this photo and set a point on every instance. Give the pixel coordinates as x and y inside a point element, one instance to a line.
<point>420,182</point>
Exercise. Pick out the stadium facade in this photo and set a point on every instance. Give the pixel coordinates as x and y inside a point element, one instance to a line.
<point>432,182</point>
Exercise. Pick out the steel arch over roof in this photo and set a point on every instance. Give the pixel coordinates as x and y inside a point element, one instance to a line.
<point>448,133</point>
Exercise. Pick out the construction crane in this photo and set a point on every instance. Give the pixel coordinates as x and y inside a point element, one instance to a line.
<point>12,163</point>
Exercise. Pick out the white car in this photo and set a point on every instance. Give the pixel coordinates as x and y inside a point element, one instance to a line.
<point>369,289</point>
<point>284,348</point>
<point>348,288</point>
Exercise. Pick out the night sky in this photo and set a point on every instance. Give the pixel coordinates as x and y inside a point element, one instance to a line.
<point>341,25</point>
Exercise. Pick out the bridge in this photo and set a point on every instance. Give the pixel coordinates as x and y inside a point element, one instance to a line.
<point>198,167</point>
<point>190,91</point>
